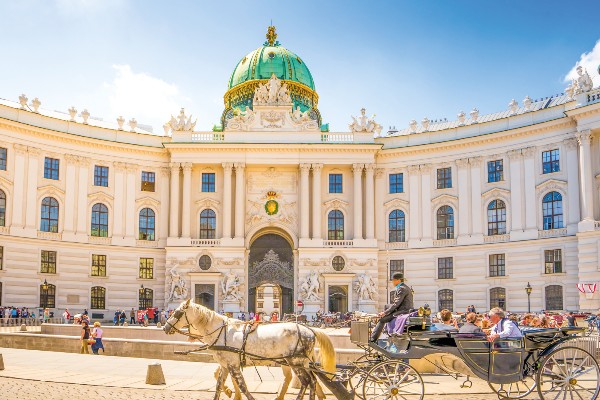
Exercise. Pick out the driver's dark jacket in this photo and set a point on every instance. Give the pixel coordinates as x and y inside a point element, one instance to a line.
<point>403,301</point>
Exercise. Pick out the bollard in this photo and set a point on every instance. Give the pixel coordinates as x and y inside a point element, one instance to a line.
<point>23,328</point>
<point>155,375</point>
<point>158,325</point>
<point>1,363</point>
<point>125,324</point>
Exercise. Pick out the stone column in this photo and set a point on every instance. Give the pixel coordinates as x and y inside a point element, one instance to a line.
<point>316,206</point>
<point>164,202</point>
<point>32,206</point>
<point>174,201</point>
<point>83,229</point>
<point>119,207</point>
<point>414,198</point>
<point>227,168</point>
<point>573,194</point>
<point>515,190</point>
<point>131,213</point>
<point>529,190</point>
<point>20,184</point>
<point>304,201</point>
<point>357,206</point>
<point>476,225</point>
<point>186,201</point>
<point>426,200</point>
<point>370,201</point>
<point>380,217</point>
<point>240,199</point>
<point>70,194</point>
<point>584,137</point>
<point>464,198</point>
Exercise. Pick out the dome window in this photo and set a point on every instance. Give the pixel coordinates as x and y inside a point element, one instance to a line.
<point>271,55</point>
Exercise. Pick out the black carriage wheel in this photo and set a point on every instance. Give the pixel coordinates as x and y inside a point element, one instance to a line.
<point>568,372</point>
<point>393,380</point>
<point>514,390</point>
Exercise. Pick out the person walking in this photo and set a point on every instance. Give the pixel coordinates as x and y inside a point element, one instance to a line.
<point>46,315</point>
<point>67,316</point>
<point>122,317</point>
<point>97,335</point>
<point>132,317</point>
<point>85,336</point>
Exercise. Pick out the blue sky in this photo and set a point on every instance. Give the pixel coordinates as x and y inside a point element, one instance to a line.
<point>401,60</point>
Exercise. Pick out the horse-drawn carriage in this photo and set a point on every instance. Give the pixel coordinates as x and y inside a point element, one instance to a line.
<point>542,360</point>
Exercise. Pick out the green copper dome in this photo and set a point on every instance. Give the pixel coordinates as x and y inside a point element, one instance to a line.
<point>271,59</point>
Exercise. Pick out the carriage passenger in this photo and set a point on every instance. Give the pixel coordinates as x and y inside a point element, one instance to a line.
<point>469,326</point>
<point>504,327</point>
<point>448,323</point>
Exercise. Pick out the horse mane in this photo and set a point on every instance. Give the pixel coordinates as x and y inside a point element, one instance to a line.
<point>206,314</point>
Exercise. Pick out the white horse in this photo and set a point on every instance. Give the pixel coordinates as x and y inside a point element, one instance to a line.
<point>227,338</point>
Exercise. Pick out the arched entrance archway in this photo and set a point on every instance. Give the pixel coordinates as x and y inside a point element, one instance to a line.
<point>271,262</point>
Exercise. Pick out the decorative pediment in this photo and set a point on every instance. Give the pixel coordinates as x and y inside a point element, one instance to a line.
<point>551,184</point>
<point>336,204</point>
<point>100,197</point>
<point>207,203</point>
<point>49,190</point>
<point>396,203</point>
<point>496,193</point>
<point>147,201</point>
<point>444,199</point>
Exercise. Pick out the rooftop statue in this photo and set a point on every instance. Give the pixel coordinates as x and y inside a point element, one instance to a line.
<point>582,84</point>
<point>299,116</point>
<point>182,123</point>
<point>272,93</point>
<point>364,123</point>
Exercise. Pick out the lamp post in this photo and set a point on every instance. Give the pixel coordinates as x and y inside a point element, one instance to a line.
<point>387,278</point>
<point>528,290</point>
<point>44,294</point>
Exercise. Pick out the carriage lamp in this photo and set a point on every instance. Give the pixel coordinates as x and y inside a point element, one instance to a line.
<point>528,290</point>
<point>45,285</point>
<point>142,286</point>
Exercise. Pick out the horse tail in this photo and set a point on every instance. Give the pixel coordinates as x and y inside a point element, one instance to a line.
<point>326,351</point>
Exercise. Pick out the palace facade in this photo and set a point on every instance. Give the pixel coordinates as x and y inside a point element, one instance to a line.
<point>271,207</point>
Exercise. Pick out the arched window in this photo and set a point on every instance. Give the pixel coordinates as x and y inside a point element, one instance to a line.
<point>335,225</point>
<point>146,298</point>
<point>553,211</point>
<point>397,226</point>
<point>496,218</point>
<point>445,299</point>
<point>208,224</point>
<point>49,216</point>
<point>98,298</point>
<point>99,220</point>
<point>445,223</point>
<point>498,297</point>
<point>2,208</point>
<point>146,224</point>
<point>47,295</point>
<point>554,297</point>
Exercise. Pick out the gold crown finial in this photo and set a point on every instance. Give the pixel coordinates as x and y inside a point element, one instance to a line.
<point>271,35</point>
<point>271,194</point>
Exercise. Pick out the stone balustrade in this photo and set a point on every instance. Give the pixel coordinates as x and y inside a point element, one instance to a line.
<point>206,242</point>
<point>338,243</point>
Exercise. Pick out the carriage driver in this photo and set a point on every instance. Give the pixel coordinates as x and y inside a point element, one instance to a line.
<point>403,303</point>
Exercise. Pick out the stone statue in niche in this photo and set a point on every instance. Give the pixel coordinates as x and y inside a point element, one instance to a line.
<point>230,285</point>
<point>309,287</point>
<point>177,287</point>
<point>366,287</point>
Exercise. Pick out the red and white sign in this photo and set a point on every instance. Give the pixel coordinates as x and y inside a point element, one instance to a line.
<point>587,287</point>
<point>300,303</point>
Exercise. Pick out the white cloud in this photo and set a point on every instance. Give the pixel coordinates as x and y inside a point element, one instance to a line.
<point>589,61</point>
<point>148,99</point>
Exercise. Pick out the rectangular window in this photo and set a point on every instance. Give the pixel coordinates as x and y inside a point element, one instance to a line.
<point>51,166</point>
<point>48,262</point>
<point>98,265</point>
<point>445,268</point>
<point>553,261</point>
<point>146,268</point>
<point>444,178</point>
<point>396,266</point>
<point>495,171</point>
<point>208,182</point>
<point>148,179</point>
<point>3,159</point>
<point>550,161</point>
<point>335,183</point>
<point>100,176</point>
<point>497,265</point>
<point>1,258</point>
<point>396,183</point>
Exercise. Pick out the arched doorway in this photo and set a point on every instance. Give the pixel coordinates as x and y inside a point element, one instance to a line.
<point>271,273</point>
<point>338,299</point>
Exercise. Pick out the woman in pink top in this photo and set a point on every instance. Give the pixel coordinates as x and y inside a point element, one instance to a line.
<point>97,334</point>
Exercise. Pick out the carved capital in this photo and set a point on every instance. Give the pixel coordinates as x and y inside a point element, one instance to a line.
<point>475,161</point>
<point>34,151</point>
<point>20,148</point>
<point>131,167</point>
<point>379,172</point>
<point>164,171</point>
<point>584,137</point>
<point>174,167</point>
<point>239,166</point>
<point>304,168</point>
<point>514,154</point>
<point>413,169</point>
<point>528,151</point>
<point>187,167</point>
<point>462,162</point>
<point>120,166</point>
<point>425,168</point>
<point>370,167</point>
<point>86,161</point>
<point>227,166</point>
<point>357,168</point>
<point>317,167</point>
<point>71,159</point>
<point>571,143</point>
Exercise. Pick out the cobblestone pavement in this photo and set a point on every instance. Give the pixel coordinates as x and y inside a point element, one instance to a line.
<point>24,389</point>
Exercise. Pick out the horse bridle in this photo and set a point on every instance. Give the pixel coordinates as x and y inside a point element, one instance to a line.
<point>180,313</point>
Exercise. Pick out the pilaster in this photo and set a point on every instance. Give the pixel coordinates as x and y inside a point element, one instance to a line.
<point>584,138</point>
<point>227,169</point>
<point>357,206</point>
<point>415,212</point>
<point>174,201</point>
<point>316,206</point>
<point>70,195</point>
<point>370,201</point>
<point>82,230</point>
<point>186,201</point>
<point>32,206</point>
<point>18,218</point>
<point>304,201</point>
<point>240,200</point>
<point>528,160</point>
<point>516,203</point>
<point>476,223</point>
<point>427,212</point>
<point>464,200</point>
